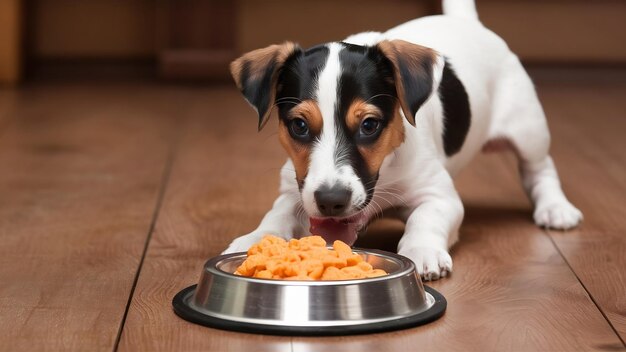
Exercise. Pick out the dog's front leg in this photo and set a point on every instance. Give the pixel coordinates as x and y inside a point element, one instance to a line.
<point>282,220</point>
<point>431,229</point>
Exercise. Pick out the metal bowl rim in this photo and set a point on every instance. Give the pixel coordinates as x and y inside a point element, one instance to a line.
<point>407,267</point>
<point>181,306</point>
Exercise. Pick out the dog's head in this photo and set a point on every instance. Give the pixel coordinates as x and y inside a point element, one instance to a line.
<point>341,110</point>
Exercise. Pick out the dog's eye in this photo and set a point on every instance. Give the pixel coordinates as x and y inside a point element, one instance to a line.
<point>369,126</point>
<point>298,128</point>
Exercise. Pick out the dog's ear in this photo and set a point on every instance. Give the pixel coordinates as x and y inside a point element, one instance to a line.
<point>417,73</point>
<point>256,75</point>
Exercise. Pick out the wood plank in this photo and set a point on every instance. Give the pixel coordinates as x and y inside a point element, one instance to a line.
<point>81,170</point>
<point>510,289</point>
<point>223,180</point>
<point>10,41</point>
<point>8,102</point>
<point>592,162</point>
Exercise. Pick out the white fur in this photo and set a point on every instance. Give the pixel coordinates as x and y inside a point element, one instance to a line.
<point>325,158</point>
<point>417,177</point>
<point>460,8</point>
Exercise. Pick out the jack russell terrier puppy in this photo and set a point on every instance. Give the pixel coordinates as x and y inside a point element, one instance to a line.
<point>385,121</point>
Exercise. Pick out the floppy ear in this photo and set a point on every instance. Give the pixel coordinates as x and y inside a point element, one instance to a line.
<point>256,75</point>
<point>417,73</point>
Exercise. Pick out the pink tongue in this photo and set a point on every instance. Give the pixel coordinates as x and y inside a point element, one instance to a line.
<point>332,230</point>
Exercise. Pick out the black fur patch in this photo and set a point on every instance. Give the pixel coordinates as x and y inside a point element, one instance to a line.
<point>297,81</point>
<point>456,108</point>
<point>257,91</point>
<point>417,88</point>
<point>298,78</point>
<point>367,75</point>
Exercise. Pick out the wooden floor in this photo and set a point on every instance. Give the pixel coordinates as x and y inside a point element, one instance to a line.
<point>113,195</point>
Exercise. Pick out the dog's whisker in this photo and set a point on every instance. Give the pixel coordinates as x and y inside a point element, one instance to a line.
<point>377,214</point>
<point>380,95</point>
<point>284,102</point>
<point>387,200</point>
<point>300,212</point>
<point>389,190</point>
<point>375,196</point>
<point>397,197</point>
<point>289,98</point>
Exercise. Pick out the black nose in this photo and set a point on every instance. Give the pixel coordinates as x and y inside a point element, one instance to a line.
<point>332,201</point>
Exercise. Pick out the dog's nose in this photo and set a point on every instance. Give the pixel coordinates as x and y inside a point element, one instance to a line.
<point>332,201</point>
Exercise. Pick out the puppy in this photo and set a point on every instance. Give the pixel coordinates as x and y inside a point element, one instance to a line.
<point>386,120</point>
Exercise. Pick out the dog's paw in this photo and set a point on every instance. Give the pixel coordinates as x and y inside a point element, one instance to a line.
<point>243,243</point>
<point>561,216</point>
<point>431,263</point>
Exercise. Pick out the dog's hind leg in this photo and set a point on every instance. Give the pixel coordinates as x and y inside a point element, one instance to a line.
<point>519,121</point>
<point>552,209</point>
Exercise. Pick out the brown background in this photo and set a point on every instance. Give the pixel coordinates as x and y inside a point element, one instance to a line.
<point>196,38</point>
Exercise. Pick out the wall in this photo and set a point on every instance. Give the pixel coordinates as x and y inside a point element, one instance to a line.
<point>109,29</point>
<point>539,31</point>
<point>262,23</point>
<point>559,30</point>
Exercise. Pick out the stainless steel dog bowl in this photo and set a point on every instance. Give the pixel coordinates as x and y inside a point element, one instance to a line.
<point>227,301</point>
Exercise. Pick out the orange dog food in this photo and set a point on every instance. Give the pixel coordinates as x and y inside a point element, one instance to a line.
<point>304,259</point>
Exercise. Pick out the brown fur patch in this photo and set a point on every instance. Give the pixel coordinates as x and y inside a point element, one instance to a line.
<point>310,112</point>
<point>410,57</point>
<point>300,153</point>
<point>390,138</point>
<point>259,59</point>
<point>358,111</point>
<point>257,64</point>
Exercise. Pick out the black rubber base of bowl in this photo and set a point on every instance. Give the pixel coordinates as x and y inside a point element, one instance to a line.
<point>186,312</point>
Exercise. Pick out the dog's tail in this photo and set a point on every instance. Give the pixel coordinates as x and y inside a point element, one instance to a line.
<point>460,8</point>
